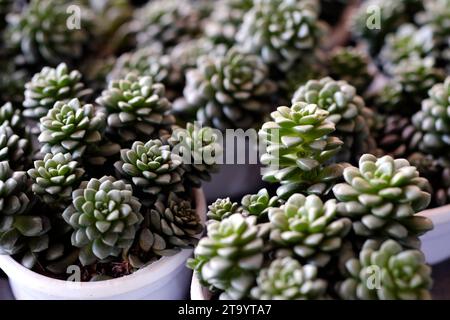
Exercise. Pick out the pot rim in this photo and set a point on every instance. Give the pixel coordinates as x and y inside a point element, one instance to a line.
<point>97,289</point>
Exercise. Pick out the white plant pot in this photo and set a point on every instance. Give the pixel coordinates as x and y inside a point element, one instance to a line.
<point>435,245</point>
<point>168,278</point>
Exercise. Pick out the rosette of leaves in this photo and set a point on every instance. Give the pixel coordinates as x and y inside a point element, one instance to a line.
<point>395,135</point>
<point>386,271</point>
<point>286,279</point>
<point>136,108</point>
<point>351,65</point>
<point>222,209</point>
<point>105,217</point>
<point>298,144</point>
<point>49,86</point>
<point>168,22</point>
<point>42,35</point>
<point>224,21</point>
<point>382,198</point>
<point>229,91</point>
<point>11,117</point>
<point>280,31</point>
<point>151,167</point>
<point>309,227</point>
<point>199,148</point>
<point>259,204</point>
<point>54,178</point>
<point>407,41</point>
<point>433,120</point>
<point>170,224</point>
<point>21,229</point>
<point>436,15</point>
<point>226,266</point>
<point>390,99</point>
<point>347,111</point>
<point>71,127</point>
<point>13,148</point>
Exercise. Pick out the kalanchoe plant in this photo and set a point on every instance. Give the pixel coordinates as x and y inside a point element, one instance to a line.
<point>433,120</point>
<point>55,177</point>
<point>22,229</point>
<point>287,279</point>
<point>221,209</point>
<point>347,111</point>
<point>49,86</point>
<point>280,31</point>
<point>229,91</point>
<point>310,228</point>
<point>229,266</point>
<point>382,198</point>
<point>151,168</point>
<point>42,35</point>
<point>13,148</point>
<point>386,271</point>
<point>105,217</point>
<point>299,143</point>
<point>136,108</point>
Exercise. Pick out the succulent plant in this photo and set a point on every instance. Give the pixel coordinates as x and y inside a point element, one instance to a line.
<point>55,177</point>
<point>436,15</point>
<point>105,217</point>
<point>151,168</point>
<point>170,224</point>
<point>407,41</point>
<point>298,144</point>
<point>433,120</point>
<point>136,108</point>
<point>280,31</point>
<point>200,149</point>
<point>71,128</point>
<point>21,228</point>
<point>168,22</point>
<point>395,136</point>
<point>229,266</point>
<point>347,111</point>
<point>382,198</point>
<point>222,209</point>
<point>386,271</point>
<point>11,117</point>
<point>259,204</point>
<point>351,65</point>
<point>41,32</point>
<point>311,228</point>
<point>287,279</point>
<point>229,91</point>
<point>13,148</point>
<point>49,86</point>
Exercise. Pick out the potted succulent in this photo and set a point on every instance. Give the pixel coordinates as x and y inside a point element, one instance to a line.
<point>330,228</point>
<point>106,191</point>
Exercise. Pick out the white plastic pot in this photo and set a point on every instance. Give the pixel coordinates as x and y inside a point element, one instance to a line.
<point>168,278</point>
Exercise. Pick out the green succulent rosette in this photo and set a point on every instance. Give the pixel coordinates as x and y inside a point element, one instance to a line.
<point>222,209</point>
<point>259,204</point>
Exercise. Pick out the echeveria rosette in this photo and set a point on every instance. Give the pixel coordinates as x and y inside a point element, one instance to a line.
<point>386,271</point>
<point>70,128</point>
<point>229,257</point>
<point>309,227</point>
<point>13,148</point>
<point>259,204</point>
<point>351,65</point>
<point>347,110</point>
<point>229,91</point>
<point>22,230</point>
<point>286,279</point>
<point>136,108</point>
<point>42,35</point>
<point>382,198</point>
<point>222,209</point>
<point>105,217</point>
<point>433,120</point>
<point>200,148</point>
<point>281,32</point>
<point>299,142</point>
<point>54,178</point>
<point>152,168</point>
<point>49,86</point>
